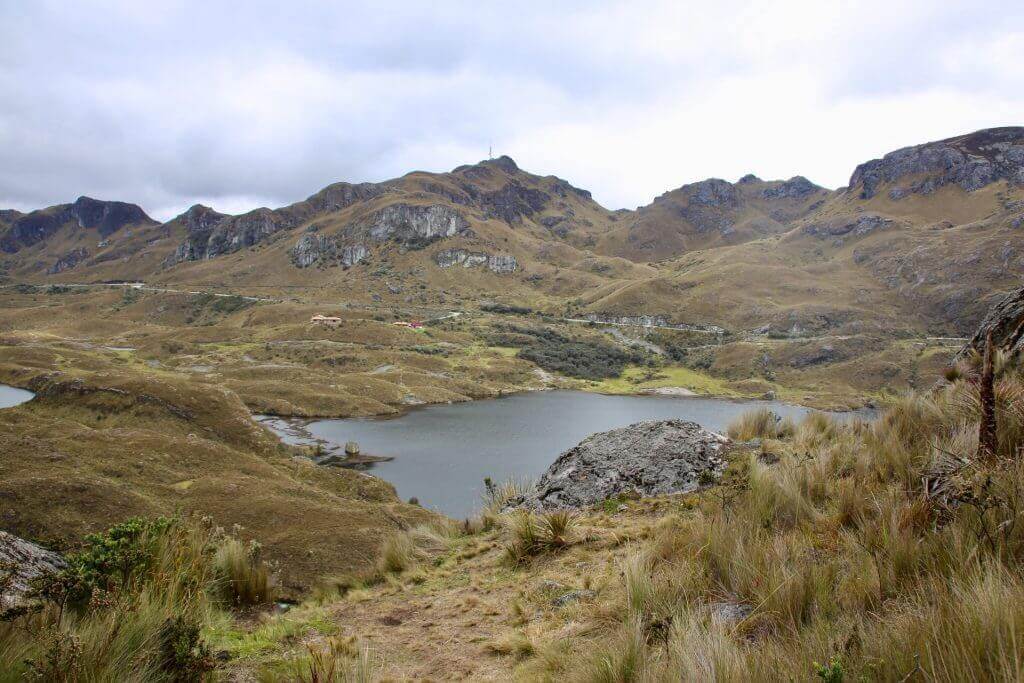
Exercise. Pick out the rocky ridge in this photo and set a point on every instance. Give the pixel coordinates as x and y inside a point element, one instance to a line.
<point>971,161</point>
<point>104,217</point>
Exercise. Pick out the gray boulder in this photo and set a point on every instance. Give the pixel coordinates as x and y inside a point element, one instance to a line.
<point>1003,319</point>
<point>647,458</point>
<point>22,561</point>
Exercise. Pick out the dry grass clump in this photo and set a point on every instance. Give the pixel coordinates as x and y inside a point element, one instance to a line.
<point>532,534</point>
<point>887,551</point>
<point>495,499</point>
<point>243,577</point>
<point>339,661</point>
<point>402,550</point>
<point>517,645</point>
<point>761,423</point>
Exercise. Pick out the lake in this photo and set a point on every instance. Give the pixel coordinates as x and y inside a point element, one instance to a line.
<point>12,396</point>
<point>443,452</point>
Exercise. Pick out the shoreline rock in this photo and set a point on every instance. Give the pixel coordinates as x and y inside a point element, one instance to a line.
<point>649,458</point>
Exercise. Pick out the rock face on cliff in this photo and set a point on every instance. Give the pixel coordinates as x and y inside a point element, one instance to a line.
<point>68,261</point>
<point>1003,319</point>
<point>409,225</point>
<point>20,562</point>
<point>496,263</point>
<point>212,234</point>
<point>796,187</point>
<point>87,213</point>
<point>971,161</point>
<point>647,458</point>
<point>321,250</point>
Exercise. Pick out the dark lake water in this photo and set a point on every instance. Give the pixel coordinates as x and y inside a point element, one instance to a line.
<point>443,452</point>
<point>12,396</point>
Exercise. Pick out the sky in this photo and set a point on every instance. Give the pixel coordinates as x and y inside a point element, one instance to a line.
<point>239,105</point>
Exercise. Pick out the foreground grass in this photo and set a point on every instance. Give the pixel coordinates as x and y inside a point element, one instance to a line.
<point>863,551</point>
<point>134,605</point>
<point>882,551</point>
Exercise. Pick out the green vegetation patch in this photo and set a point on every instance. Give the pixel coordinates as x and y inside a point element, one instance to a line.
<point>574,357</point>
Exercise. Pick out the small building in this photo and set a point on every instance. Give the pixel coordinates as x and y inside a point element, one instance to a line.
<point>325,320</point>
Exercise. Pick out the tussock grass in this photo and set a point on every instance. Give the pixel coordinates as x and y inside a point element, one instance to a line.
<point>760,423</point>
<point>403,550</point>
<point>339,661</point>
<point>532,534</point>
<point>495,499</point>
<point>881,551</point>
<point>517,645</point>
<point>243,578</point>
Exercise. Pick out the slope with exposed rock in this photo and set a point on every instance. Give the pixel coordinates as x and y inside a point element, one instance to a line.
<point>918,243</point>
<point>713,213</point>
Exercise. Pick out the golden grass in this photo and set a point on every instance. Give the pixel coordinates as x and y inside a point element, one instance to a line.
<point>531,534</point>
<point>145,628</point>
<point>244,579</point>
<point>760,423</point>
<point>846,560</point>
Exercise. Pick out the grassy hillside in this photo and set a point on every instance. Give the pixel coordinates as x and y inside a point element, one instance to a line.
<point>102,441</point>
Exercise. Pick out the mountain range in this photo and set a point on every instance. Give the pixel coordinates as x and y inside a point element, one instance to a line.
<point>920,241</point>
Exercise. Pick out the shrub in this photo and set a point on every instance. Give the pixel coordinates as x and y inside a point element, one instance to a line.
<point>582,357</point>
<point>111,560</point>
<point>148,584</point>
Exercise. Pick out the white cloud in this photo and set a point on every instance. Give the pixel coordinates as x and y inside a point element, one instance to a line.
<point>196,101</point>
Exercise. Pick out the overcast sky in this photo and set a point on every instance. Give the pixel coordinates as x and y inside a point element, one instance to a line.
<point>238,105</point>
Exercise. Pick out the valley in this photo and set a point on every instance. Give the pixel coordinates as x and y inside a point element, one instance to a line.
<point>471,326</point>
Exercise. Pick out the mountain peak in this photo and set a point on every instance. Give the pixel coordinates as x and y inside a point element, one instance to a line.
<point>504,162</point>
<point>107,216</point>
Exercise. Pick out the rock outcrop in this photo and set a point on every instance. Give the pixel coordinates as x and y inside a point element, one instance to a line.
<point>68,261</point>
<point>647,458</point>
<point>460,257</point>
<point>502,264</point>
<point>796,187</point>
<point>20,562</point>
<point>498,263</point>
<point>513,201</point>
<point>1004,320</point>
<point>327,251</point>
<point>212,234</point>
<point>411,225</point>
<point>8,216</point>
<point>841,228</point>
<point>240,232</point>
<point>971,161</point>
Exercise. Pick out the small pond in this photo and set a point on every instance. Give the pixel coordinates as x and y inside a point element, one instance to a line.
<point>441,453</point>
<point>12,396</point>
